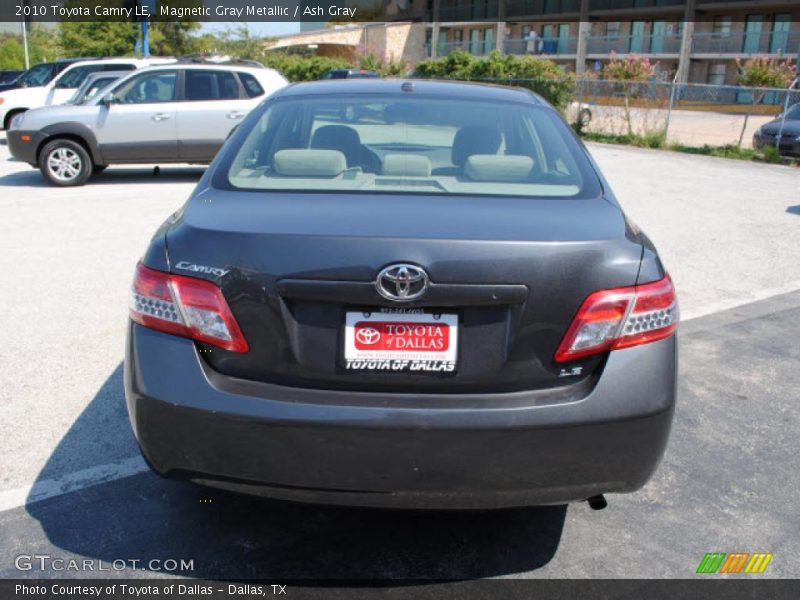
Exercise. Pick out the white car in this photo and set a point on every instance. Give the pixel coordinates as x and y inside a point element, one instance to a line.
<point>181,112</point>
<point>60,90</point>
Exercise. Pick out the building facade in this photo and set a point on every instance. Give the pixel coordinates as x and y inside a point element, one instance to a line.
<point>694,41</point>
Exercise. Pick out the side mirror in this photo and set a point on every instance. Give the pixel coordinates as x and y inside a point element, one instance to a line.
<point>110,99</point>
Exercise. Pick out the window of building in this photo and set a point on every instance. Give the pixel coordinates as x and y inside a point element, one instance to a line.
<point>488,40</point>
<point>722,26</point>
<point>781,26</point>
<point>716,74</point>
<point>475,42</point>
<point>613,29</point>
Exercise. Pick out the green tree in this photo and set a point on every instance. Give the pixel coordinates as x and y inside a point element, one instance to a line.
<point>241,43</point>
<point>631,74</point>
<point>42,44</point>
<point>762,72</point>
<point>99,39</point>
<point>12,54</point>
<point>174,38</point>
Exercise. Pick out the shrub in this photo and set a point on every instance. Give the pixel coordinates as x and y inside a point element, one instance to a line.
<point>631,73</point>
<point>382,64</point>
<point>297,67</point>
<point>763,72</point>
<point>539,75</point>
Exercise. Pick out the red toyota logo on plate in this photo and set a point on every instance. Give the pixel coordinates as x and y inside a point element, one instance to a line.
<point>368,335</point>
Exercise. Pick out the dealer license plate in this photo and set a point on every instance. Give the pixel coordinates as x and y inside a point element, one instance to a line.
<point>401,341</point>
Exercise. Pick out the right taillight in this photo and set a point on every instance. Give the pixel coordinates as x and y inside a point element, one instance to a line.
<point>184,306</point>
<point>620,318</point>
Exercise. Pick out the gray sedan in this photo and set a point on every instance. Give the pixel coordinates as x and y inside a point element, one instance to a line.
<point>406,294</point>
<point>767,134</point>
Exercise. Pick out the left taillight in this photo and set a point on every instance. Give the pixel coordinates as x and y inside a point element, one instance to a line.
<point>621,318</point>
<point>184,306</point>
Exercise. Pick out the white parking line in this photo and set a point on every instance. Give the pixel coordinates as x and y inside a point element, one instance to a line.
<point>763,294</point>
<point>71,482</point>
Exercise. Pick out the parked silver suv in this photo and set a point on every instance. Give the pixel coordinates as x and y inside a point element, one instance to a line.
<point>169,113</point>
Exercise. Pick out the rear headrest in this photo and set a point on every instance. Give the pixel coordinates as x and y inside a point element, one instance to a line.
<point>407,165</point>
<point>338,137</point>
<point>308,163</point>
<point>474,139</point>
<point>508,168</point>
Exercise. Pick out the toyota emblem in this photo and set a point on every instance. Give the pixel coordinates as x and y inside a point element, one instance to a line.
<point>402,282</point>
<point>368,336</point>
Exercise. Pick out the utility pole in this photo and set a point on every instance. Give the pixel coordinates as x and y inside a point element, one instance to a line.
<point>145,38</point>
<point>25,44</point>
<point>144,9</point>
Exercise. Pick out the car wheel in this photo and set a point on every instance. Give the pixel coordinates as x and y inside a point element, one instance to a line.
<point>97,169</point>
<point>65,163</point>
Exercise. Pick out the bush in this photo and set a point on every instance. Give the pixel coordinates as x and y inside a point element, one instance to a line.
<point>651,139</point>
<point>297,67</point>
<point>382,65</point>
<point>304,67</point>
<point>539,75</point>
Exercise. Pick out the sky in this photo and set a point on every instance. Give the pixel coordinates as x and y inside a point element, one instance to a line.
<point>258,28</point>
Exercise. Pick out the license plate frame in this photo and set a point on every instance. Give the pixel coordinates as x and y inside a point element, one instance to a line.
<point>410,340</point>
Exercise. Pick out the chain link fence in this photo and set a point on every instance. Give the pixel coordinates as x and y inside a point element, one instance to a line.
<point>689,114</point>
<point>682,113</point>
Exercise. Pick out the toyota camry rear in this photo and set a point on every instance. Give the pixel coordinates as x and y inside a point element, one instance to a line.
<point>410,294</point>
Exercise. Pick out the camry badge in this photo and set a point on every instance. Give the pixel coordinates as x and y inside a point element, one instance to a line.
<point>402,282</point>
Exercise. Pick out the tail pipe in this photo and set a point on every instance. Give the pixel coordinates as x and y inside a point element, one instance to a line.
<point>597,502</point>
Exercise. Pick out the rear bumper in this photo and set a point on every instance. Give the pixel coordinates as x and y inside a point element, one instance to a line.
<point>21,150</point>
<point>367,449</point>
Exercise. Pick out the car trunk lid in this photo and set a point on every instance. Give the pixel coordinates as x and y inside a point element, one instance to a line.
<point>513,271</point>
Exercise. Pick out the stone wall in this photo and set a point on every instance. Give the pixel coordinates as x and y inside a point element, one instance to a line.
<point>393,41</point>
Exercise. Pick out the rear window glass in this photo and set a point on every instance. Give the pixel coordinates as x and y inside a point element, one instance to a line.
<point>38,75</point>
<point>211,85</point>
<point>251,85</point>
<point>423,145</point>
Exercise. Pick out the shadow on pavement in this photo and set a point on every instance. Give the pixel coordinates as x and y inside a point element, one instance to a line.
<point>33,178</point>
<point>143,517</point>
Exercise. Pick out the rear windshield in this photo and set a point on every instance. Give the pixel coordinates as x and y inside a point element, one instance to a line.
<point>375,144</point>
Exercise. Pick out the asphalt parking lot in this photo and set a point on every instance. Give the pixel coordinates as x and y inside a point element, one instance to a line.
<point>72,484</point>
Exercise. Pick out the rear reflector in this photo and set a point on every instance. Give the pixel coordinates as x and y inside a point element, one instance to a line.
<point>620,318</point>
<point>184,306</point>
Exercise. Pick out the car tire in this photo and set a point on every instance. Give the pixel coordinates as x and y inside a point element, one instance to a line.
<point>97,169</point>
<point>65,163</point>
